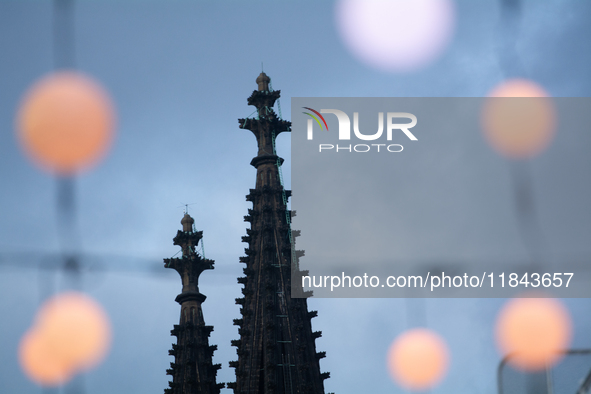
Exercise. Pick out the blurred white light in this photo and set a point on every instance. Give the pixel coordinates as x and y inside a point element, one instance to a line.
<point>396,35</point>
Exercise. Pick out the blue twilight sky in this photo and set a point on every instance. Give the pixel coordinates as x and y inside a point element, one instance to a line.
<point>179,73</point>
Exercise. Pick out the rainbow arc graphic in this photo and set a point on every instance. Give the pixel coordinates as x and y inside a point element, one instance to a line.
<point>315,118</point>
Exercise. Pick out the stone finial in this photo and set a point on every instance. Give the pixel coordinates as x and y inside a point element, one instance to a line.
<point>187,222</point>
<point>263,81</point>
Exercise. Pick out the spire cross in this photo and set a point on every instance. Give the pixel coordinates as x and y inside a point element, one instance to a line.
<point>186,206</point>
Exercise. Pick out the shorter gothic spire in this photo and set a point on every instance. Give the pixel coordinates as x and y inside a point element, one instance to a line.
<point>192,371</point>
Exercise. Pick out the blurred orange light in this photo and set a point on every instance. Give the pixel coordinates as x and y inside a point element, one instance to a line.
<point>533,331</point>
<point>65,122</point>
<point>72,333</point>
<point>396,35</point>
<point>518,119</point>
<point>79,325</point>
<point>418,359</point>
<point>518,88</point>
<point>39,361</point>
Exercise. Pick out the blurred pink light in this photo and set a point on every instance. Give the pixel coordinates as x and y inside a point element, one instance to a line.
<point>396,35</point>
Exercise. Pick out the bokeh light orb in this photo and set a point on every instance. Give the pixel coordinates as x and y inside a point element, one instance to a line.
<point>65,123</point>
<point>72,333</point>
<point>519,119</point>
<point>396,35</point>
<point>418,359</point>
<point>533,331</point>
<point>78,326</point>
<point>39,361</point>
<point>518,87</point>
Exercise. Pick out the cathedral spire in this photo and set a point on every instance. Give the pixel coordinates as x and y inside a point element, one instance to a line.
<point>266,126</point>
<point>276,349</point>
<point>192,370</point>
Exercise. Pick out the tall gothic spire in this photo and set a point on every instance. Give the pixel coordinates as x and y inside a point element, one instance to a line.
<point>192,370</point>
<point>276,349</point>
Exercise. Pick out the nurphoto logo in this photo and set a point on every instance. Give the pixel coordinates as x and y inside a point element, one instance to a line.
<point>344,133</point>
